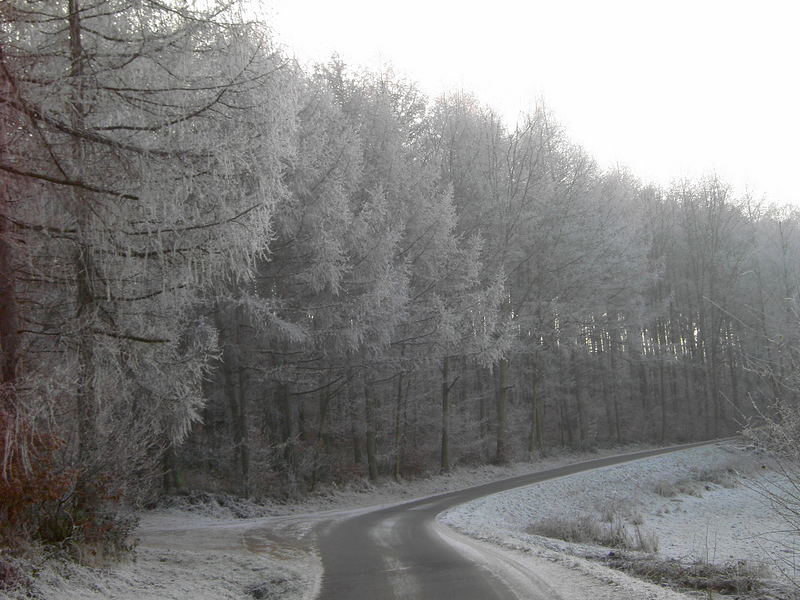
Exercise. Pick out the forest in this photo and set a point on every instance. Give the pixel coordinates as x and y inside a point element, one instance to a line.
<point>223,271</point>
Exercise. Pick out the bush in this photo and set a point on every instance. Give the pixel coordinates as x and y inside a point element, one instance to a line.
<point>42,501</point>
<point>31,482</point>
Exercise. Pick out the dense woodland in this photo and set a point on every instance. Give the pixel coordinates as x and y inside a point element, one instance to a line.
<point>220,270</point>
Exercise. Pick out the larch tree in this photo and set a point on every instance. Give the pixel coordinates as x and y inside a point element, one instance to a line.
<point>286,334</point>
<point>149,144</point>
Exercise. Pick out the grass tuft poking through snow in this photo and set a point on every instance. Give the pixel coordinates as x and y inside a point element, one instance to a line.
<point>732,577</point>
<point>586,529</point>
<point>722,476</point>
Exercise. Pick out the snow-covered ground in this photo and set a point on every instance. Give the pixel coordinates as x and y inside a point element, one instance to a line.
<point>210,547</point>
<point>169,574</point>
<point>673,497</point>
<point>204,549</point>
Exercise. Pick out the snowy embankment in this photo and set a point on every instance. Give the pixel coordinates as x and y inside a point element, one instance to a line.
<point>700,504</point>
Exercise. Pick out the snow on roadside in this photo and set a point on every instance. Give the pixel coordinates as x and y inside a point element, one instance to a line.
<point>207,547</point>
<point>221,547</point>
<point>161,574</point>
<point>724,524</point>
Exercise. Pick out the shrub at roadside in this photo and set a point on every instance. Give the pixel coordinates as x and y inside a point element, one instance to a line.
<point>41,501</point>
<point>32,485</point>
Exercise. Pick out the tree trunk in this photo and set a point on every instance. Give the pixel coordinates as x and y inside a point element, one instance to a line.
<point>235,384</point>
<point>84,272</point>
<point>715,391</point>
<point>501,402</point>
<point>287,423</point>
<point>9,312</point>
<point>369,411</point>
<point>242,426</point>
<point>482,433</point>
<point>172,479</point>
<point>322,441</point>
<point>302,428</point>
<point>663,396</point>
<point>398,437</point>
<point>232,395</point>
<point>354,430</point>
<point>609,412</point>
<point>564,425</point>
<point>535,433</point>
<point>9,309</point>
<point>734,372</point>
<point>638,364</point>
<point>578,393</point>
<point>444,457</point>
<point>688,380</point>
<point>613,389</point>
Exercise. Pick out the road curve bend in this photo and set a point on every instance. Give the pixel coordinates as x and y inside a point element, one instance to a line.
<point>401,552</point>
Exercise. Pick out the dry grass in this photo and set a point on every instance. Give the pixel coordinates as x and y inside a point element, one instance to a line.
<point>620,508</point>
<point>725,477</point>
<point>646,540</point>
<point>735,577</point>
<point>743,579</point>
<point>700,480</point>
<point>681,487</point>
<point>589,530</point>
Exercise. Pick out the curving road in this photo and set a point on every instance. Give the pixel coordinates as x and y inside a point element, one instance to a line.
<point>400,552</point>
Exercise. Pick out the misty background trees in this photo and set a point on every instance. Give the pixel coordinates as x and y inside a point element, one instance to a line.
<point>219,271</point>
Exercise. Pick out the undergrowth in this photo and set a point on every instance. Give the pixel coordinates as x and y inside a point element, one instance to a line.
<point>50,509</point>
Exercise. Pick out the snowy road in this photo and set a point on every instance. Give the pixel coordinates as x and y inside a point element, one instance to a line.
<point>401,552</point>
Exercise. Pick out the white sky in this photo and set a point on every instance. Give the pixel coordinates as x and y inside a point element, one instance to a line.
<point>669,88</point>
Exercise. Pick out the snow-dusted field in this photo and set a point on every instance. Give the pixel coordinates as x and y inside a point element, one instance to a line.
<point>718,524</point>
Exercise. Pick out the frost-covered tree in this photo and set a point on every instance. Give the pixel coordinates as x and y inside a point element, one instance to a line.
<point>148,145</point>
<point>286,334</point>
<point>713,251</point>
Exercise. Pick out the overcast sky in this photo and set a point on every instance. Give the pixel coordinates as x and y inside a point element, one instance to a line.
<point>668,88</point>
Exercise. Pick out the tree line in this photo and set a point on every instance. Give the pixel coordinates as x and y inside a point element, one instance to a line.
<point>222,271</point>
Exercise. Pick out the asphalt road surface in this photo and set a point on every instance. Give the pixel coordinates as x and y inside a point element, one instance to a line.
<point>397,552</point>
